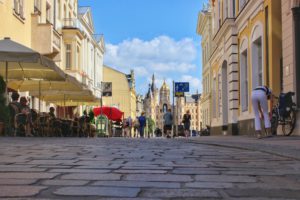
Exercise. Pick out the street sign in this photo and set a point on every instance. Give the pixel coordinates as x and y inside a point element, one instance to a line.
<point>182,87</point>
<point>107,89</point>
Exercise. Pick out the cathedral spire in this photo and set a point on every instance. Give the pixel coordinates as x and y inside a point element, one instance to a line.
<point>153,84</point>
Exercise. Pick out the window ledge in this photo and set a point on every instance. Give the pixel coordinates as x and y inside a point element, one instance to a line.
<point>21,19</point>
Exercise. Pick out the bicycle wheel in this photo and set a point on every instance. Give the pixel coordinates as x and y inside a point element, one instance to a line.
<point>289,123</point>
<point>274,122</point>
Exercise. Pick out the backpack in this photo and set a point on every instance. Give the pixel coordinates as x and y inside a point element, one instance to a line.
<point>185,118</point>
<point>285,103</point>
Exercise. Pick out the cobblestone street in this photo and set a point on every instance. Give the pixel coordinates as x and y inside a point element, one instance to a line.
<point>152,169</point>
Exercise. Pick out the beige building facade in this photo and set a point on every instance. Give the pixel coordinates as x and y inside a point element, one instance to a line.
<point>204,28</point>
<point>123,91</point>
<point>291,50</point>
<point>193,103</point>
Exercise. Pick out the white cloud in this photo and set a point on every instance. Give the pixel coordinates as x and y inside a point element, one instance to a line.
<point>195,83</point>
<point>163,56</point>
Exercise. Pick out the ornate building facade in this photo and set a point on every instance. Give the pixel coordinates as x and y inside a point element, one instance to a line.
<point>247,35</point>
<point>204,28</point>
<point>156,104</point>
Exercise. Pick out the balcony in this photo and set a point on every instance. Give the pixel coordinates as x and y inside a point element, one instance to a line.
<point>45,39</point>
<point>72,23</point>
<point>72,29</point>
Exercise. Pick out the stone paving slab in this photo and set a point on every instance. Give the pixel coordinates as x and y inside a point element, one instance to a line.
<point>138,184</point>
<point>158,177</point>
<point>148,169</point>
<point>92,176</point>
<point>180,193</point>
<point>19,191</point>
<point>13,181</point>
<point>27,175</point>
<point>98,191</point>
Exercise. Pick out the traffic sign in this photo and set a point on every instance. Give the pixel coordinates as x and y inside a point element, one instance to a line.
<point>182,87</point>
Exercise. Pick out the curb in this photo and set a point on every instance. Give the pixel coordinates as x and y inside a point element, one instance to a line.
<point>233,146</point>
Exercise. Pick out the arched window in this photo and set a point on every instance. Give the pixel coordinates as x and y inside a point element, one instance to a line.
<point>244,95</point>
<point>214,97</point>
<point>257,55</point>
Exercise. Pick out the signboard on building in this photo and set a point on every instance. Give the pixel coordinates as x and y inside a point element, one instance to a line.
<point>182,87</point>
<point>107,89</point>
<point>179,94</point>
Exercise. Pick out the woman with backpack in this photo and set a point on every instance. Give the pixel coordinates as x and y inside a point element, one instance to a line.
<point>260,97</point>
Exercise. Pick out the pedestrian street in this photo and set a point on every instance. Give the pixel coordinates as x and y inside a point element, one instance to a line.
<point>140,168</point>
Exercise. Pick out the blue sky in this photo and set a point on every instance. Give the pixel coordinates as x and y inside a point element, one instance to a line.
<point>151,36</point>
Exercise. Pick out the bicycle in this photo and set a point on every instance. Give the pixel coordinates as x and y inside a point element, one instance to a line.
<point>284,114</point>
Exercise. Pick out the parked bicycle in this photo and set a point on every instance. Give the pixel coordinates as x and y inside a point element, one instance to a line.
<point>284,114</point>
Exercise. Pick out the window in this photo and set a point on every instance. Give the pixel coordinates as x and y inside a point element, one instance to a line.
<point>214,97</point>
<point>257,56</point>
<point>242,4</point>
<point>19,8</point>
<point>68,56</point>
<point>244,80</point>
<point>48,13</point>
<point>78,59</point>
<point>220,93</point>
<point>225,9</point>
<point>58,10</point>
<point>233,8</point>
<point>219,13</point>
<point>37,6</point>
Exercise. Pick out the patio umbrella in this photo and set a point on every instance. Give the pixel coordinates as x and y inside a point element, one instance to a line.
<point>20,62</point>
<point>66,98</point>
<point>112,113</point>
<point>40,88</point>
<point>44,86</point>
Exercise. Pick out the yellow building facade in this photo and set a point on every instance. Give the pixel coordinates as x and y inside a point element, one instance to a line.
<point>123,91</point>
<point>60,30</point>
<point>247,35</point>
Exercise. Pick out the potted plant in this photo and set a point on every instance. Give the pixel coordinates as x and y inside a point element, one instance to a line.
<point>4,111</point>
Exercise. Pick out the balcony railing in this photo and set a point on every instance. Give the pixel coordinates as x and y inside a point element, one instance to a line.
<point>37,6</point>
<point>72,23</point>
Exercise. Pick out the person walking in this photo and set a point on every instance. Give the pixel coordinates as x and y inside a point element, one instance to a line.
<point>142,122</point>
<point>186,123</point>
<point>260,96</point>
<point>168,122</point>
<point>127,127</point>
<point>136,127</point>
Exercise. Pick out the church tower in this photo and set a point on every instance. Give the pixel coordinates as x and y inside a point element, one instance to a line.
<point>164,103</point>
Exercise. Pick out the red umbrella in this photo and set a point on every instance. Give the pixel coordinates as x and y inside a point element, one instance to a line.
<point>111,113</point>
